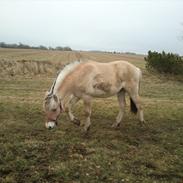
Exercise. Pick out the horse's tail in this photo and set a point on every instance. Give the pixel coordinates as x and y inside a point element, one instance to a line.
<point>133,106</point>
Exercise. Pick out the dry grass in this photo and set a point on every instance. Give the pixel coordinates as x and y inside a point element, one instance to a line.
<point>35,62</point>
<point>30,153</point>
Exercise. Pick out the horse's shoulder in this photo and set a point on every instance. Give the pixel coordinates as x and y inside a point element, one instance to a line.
<point>87,66</point>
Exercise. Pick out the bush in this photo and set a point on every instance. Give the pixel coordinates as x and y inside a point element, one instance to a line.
<point>164,63</point>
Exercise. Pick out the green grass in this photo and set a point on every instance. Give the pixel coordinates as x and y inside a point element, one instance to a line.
<point>132,153</point>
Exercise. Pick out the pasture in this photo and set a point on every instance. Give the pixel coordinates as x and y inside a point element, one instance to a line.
<point>133,153</point>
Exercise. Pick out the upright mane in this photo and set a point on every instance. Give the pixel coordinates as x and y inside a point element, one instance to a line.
<point>61,76</point>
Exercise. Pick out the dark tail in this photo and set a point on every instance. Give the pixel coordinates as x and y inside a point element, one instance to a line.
<point>133,106</point>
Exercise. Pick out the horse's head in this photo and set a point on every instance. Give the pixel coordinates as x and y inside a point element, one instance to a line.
<point>52,107</point>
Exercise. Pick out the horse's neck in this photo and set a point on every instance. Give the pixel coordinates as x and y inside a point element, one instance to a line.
<point>63,87</point>
<point>64,93</point>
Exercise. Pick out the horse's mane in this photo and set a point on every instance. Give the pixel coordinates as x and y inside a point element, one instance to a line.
<point>62,74</point>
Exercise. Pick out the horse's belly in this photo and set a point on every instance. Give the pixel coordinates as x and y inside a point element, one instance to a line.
<point>100,94</point>
<point>103,92</point>
<point>103,87</point>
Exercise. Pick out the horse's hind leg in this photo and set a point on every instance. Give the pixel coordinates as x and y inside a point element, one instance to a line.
<point>136,100</point>
<point>122,103</point>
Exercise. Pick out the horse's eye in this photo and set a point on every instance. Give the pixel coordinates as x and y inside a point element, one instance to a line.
<point>53,110</point>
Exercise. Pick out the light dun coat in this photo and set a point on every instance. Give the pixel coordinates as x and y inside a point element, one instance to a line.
<point>86,80</point>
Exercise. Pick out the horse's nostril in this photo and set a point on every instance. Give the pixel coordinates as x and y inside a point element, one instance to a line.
<point>50,125</point>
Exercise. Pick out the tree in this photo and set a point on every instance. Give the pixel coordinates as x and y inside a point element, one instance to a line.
<point>164,62</point>
<point>59,48</point>
<point>67,48</point>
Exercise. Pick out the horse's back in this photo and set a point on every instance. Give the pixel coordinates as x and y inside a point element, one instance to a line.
<point>104,79</point>
<point>120,68</point>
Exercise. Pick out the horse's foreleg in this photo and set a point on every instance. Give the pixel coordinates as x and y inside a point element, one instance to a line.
<point>87,111</point>
<point>122,103</point>
<point>70,114</point>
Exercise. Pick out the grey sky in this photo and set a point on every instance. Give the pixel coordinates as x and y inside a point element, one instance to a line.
<point>126,25</point>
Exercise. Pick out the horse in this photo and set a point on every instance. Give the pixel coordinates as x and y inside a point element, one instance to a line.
<point>87,80</point>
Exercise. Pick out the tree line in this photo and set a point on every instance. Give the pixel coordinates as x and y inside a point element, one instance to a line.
<point>41,47</point>
<point>164,62</point>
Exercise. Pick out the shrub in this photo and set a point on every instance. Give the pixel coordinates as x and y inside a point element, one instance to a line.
<point>164,62</point>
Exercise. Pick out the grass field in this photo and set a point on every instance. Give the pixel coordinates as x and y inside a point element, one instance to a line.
<point>132,153</point>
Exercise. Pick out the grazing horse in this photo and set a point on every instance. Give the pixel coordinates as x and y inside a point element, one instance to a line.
<point>86,80</point>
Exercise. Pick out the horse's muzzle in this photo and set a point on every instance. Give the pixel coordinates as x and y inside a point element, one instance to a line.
<point>51,124</point>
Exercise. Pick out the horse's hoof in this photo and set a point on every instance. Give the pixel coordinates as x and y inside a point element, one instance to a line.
<point>143,124</point>
<point>85,133</point>
<point>86,129</point>
<point>115,125</point>
<point>76,121</point>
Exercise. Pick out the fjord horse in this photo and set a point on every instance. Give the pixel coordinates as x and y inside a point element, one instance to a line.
<point>87,80</point>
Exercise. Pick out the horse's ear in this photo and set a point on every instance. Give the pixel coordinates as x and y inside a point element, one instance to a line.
<point>46,94</point>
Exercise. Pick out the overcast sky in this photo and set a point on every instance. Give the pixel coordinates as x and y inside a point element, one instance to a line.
<point>120,25</point>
